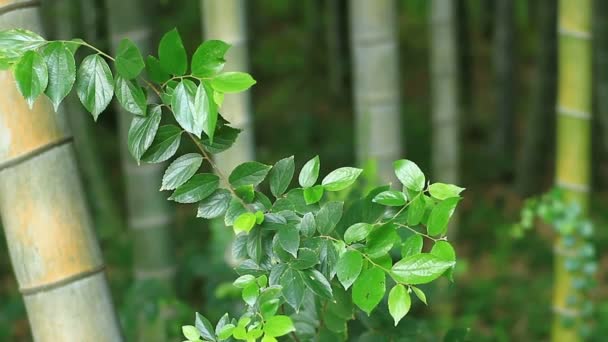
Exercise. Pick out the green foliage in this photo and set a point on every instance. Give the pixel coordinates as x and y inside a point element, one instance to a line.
<point>304,257</point>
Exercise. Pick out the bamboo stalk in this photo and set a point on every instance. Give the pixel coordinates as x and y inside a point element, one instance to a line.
<point>376,87</point>
<point>53,249</point>
<point>573,143</point>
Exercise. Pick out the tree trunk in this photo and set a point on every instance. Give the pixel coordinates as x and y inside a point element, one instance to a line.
<point>504,60</point>
<point>537,146</point>
<point>376,83</point>
<point>600,66</point>
<point>53,249</point>
<point>573,146</point>
<point>225,20</point>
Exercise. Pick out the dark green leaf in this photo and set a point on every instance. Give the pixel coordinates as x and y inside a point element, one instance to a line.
<point>165,144</point>
<point>142,132</point>
<point>293,287</point>
<point>308,225</point>
<point>130,96</point>
<point>309,173</point>
<point>409,174</point>
<point>281,175</point>
<point>232,82</point>
<point>94,84</point>
<point>420,268</point>
<point>341,178</point>
<point>381,240</point>
<point>289,238</point>
<point>369,289</point>
<point>225,136</point>
<point>391,198</point>
<point>155,71</point>
<point>31,75</point>
<point>415,212</point>
<point>443,191</point>
<point>245,192</point>
<point>181,170</point>
<point>208,60</point>
<point>440,216</point>
<point>357,232</point>
<point>349,267</point>
<point>399,302</point>
<point>307,258</point>
<point>235,209</point>
<point>313,194</point>
<point>206,109</point>
<point>248,173</point>
<point>411,246</point>
<point>215,205</point>
<point>328,255</point>
<point>204,327</point>
<point>182,103</point>
<point>317,283</point>
<point>197,188</point>
<point>328,217</point>
<point>61,71</point>
<point>172,54</point>
<point>129,62</point>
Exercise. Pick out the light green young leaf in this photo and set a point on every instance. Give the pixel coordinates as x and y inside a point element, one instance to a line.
<point>181,170</point>
<point>444,250</point>
<point>94,84</point>
<point>281,175</point>
<point>289,238</point>
<point>369,288</point>
<point>341,178</point>
<point>278,326</point>
<point>232,82</point>
<point>328,217</point>
<point>357,232</point>
<point>31,75</point>
<point>248,173</point>
<point>391,198</point>
<point>15,42</point>
<point>244,222</point>
<point>309,173</point>
<point>411,246</point>
<point>317,283</point>
<point>250,294</point>
<point>142,132</point>
<point>61,72</point>
<point>443,191</point>
<point>172,54</point>
<point>418,292</point>
<point>409,174</point>
<point>349,267</point>
<point>225,332</point>
<point>130,96</point>
<point>420,268</point>
<point>191,333</point>
<point>155,71</point>
<point>164,145</point>
<point>215,205</point>
<point>129,62</point>
<point>199,187</point>
<point>313,194</point>
<point>440,216</point>
<point>399,302</point>
<point>208,60</point>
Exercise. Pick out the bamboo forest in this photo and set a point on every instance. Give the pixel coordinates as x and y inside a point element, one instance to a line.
<point>312,170</point>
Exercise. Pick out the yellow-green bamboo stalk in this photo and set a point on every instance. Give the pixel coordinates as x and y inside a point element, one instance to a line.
<point>53,249</point>
<point>375,63</point>
<point>573,144</point>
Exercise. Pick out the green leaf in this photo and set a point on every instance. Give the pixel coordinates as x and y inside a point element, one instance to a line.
<point>306,258</point>
<point>440,216</point>
<point>142,132</point>
<point>235,209</point>
<point>420,268</point>
<point>226,331</point>
<point>232,82</point>
<point>224,138</point>
<point>412,245</point>
<point>313,194</point>
<point>349,267</point>
<point>418,292</point>
<point>369,289</point>
<point>129,62</point>
<point>94,84</point>
<point>208,60</point>
<point>245,192</point>
<point>15,42</point>
<point>130,96</point>
<point>308,225</point>
<point>204,327</point>
<point>443,191</point>
<point>191,333</point>
<point>206,109</point>
<point>309,173</point>
<point>381,240</point>
<point>74,44</point>
<point>289,238</point>
<point>328,255</point>
<point>199,187</point>
<point>409,174</point>
<point>281,175</point>
<point>31,75</point>
<point>244,281</point>
<point>341,178</point>
<point>61,72</point>
<point>244,222</point>
<point>317,283</point>
<point>357,232</point>
<point>391,198</point>
<point>250,294</point>
<point>328,217</point>
<point>181,170</point>
<point>399,302</point>
<point>172,54</point>
<point>293,287</point>
<point>155,71</point>
<point>415,212</point>
<point>165,144</point>
<point>278,326</point>
<point>444,250</point>
<point>248,173</point>
<point>182,103</point>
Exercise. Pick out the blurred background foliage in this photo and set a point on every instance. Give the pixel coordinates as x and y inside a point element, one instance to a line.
<point>503,284</point>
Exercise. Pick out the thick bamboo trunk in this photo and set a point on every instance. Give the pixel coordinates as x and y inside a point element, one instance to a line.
<point>573,145</point>
<point>540,122</point>
<point>53,248</point>
<point>225,20</point>
<point>376,88</point>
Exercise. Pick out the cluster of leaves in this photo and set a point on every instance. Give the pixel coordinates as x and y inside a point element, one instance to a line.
<point>305,261</point>
<point>576,232</point>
